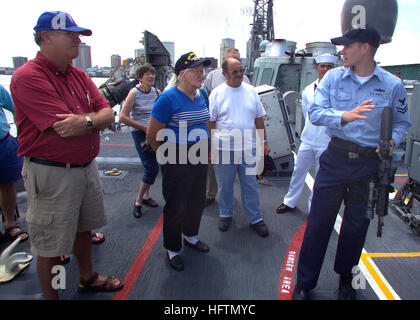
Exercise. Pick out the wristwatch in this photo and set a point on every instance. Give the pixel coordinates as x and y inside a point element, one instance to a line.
<point>89,122</point>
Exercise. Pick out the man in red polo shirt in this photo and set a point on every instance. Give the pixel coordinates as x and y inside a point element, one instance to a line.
<point>59,113</point>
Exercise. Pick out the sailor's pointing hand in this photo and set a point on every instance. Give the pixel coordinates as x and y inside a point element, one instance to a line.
<point>357,113</point>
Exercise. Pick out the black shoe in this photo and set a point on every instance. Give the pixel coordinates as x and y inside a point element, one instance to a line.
<point>260,228</point>
<point>176,262</point>
<point>300,294</point>
<point>199,246</point>
<point>283,209</point>
<point>345,289</point>
<point>209,202</point>
<point>150,203</point>
<point>224,224</point>
<point>137,211</point>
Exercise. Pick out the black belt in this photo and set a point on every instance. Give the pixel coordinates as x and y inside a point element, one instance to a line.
<point>351,150</point>
<point>7,135</point>
<point>58,164</point>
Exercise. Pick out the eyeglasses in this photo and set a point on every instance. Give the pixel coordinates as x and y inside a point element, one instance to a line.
<point>237,71</point>
<point>196,72</point>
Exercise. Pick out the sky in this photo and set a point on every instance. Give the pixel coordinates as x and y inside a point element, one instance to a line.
<point>194,25</point>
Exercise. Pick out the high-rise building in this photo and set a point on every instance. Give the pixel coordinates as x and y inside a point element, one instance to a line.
<point>138,52</point>
<point>115,61</point>
<point>19,61</point>
<point>170,46</point>
<point>84,60</point>
<point>226,44</point>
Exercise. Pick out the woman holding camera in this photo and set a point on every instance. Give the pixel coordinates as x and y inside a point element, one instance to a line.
<point>139,103</point>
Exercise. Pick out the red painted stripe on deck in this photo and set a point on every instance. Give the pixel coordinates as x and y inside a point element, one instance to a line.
<point>401,180</point>
<point>289,265</point>
<point>117,145</point>
<point>138,264</point>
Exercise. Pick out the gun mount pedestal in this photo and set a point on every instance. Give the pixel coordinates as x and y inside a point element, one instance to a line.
<point>407,200</point>
<point>405,204</point>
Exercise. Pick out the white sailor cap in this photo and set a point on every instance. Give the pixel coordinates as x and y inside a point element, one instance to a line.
<point>326,58</point>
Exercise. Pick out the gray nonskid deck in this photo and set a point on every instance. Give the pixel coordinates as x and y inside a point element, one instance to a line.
<point>239,266</point>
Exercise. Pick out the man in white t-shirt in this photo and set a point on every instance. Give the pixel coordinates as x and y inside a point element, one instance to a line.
<point>236,112</point>
<point>216,77</point>
<point>213,80</point>
<point>314,140</point>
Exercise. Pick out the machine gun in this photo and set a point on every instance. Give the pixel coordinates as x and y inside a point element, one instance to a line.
<point>116,92</point>
<point>117,87</point>
<point>380,188</point>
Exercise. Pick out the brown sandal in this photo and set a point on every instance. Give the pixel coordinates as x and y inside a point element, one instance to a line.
<point>16,234</point>
<point>64,259</point>
<point>106,286</point>
<point>99,236</point>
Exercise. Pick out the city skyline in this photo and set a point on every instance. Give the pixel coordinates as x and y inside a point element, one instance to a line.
<point>83,61</point>
<point>198,26</point>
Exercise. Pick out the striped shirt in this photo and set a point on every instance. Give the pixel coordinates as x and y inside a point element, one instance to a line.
<point>191,118</point>
<point>186,119</point>
<point>143,105</point>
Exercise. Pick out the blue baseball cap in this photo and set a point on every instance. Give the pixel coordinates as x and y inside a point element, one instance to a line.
<point>59,20</point>
<point>369,35</point>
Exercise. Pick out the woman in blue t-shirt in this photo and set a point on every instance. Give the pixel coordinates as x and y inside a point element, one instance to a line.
<point>179,119</point>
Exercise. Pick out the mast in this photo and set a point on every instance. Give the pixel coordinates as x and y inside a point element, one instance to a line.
<point>262,29</point>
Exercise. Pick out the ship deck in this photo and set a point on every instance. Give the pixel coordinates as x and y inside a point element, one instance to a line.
<point>239,266</point>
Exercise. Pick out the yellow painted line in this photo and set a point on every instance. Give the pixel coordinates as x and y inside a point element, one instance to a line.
<point>402,175</point>
<point>381,287</point>
<point>378,280</point>
<point>365,258</point>
<point>393,255</point>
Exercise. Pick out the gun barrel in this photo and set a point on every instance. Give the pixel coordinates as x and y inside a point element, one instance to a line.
<point>386,124</point>
<point>371,200</point>
<point>385,168</point>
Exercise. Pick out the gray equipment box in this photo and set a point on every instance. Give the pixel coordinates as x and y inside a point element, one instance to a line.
<point>414,169</point>
<point>414,132</point>
<point>277,125</point>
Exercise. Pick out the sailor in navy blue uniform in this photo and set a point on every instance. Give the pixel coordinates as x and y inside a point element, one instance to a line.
<point>349,101</point>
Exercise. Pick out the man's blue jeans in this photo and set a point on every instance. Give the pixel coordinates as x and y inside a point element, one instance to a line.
<point>225,175</point>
